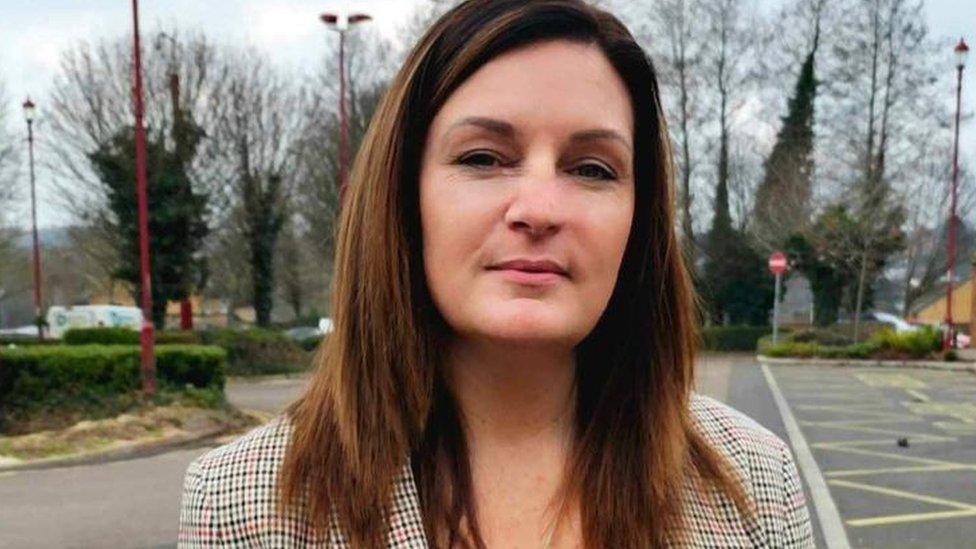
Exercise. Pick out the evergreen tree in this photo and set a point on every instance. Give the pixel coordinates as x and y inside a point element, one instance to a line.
<point>736,285</point>
<point>783,197</point>
<point>176,213</point>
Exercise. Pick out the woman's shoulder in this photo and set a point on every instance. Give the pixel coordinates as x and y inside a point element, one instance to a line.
<point>765,466</point>
<point>264,446</point>
<point>732,432</point>
<point>230,494</point>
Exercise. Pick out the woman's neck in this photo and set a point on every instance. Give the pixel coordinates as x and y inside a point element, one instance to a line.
<point>512,394</point>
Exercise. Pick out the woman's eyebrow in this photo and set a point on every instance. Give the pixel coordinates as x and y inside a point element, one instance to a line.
<point>507,130</point>
<point>598,135</point>
<point>502,128</point>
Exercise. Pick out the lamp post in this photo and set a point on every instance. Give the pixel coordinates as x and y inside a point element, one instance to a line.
<point>29,116</point>
<point>148,358</point>
<point>340,23</point>
<point>961,50</point>
<point>186,306</point>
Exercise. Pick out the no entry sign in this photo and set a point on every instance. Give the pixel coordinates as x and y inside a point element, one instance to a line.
<point>777,263</point>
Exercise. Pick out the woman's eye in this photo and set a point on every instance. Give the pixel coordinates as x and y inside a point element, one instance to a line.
<point>479,160</point>
<point>593,171</point>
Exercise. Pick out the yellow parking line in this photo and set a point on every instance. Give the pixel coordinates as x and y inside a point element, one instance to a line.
<point>903,494</point>
<point>920,396</point>
<point>897,457</point>
<point>857,421</point>
<point>914,517</point>
<point>859,410</point>
<point>914,436</point>
<point>920,439</point>
<point>893,470</point>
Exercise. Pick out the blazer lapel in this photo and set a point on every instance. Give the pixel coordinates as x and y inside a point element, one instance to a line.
<point>406,521</point>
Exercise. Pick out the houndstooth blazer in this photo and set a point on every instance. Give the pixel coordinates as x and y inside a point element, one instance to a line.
<point>229,494</point>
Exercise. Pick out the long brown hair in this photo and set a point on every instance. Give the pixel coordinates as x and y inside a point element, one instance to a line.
<point>378,400</point>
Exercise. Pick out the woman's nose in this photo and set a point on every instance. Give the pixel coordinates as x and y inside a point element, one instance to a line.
<point>535,207</point>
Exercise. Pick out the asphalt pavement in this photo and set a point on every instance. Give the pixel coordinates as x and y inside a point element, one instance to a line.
<point>122,504</point>
<point>844,425</point>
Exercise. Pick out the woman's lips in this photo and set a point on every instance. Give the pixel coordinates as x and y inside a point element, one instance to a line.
<point>531,272</point>
<point>529,278</point>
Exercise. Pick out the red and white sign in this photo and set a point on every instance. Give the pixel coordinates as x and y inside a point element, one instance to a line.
<point>777,263</point>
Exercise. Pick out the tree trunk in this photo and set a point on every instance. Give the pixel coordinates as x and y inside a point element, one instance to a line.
<point>860,293</point>
<point>262,273</point>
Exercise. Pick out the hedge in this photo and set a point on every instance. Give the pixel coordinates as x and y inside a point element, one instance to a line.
<point>732,338</point>
<point>258,352</point>
<point>126,336</point>
<point>249,352</point>
<point>883,344</point>
<point>64,377</point>
<point>100,336</point>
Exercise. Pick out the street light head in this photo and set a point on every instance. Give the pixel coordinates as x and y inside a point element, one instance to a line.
<point>342,22</point>
<point>961,51</point>
<point>29,110</point>
<point>334,20</point>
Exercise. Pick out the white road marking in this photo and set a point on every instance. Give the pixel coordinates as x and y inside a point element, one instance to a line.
<point>823,504</point>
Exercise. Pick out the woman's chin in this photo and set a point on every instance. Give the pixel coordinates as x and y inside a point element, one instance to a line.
<point>529,328</point>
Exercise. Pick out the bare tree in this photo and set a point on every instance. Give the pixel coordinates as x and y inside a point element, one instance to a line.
<point>91,104</point>
<point>671,34</point>
<point>730,77</point>
<point>882,77</point>
<point>368,73</point>
<point>91,101</point>
<point>258,121</point>
<point>9,160</point>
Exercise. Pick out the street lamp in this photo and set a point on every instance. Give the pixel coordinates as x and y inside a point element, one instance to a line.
<point>186,306</point>
<point>148,359</point>
<point>340,23</point>
<point>38,319</point>
<point>961,50</point>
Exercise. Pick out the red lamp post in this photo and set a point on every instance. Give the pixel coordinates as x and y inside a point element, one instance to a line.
<point>38,319</point>
<point>341,23</point>
<point>186,306</point>
<point>949,341</point>
<point>148,356</point>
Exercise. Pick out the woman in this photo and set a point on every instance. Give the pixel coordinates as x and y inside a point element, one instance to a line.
<point>514,337</point>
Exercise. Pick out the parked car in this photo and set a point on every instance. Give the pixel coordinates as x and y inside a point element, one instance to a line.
<point>302,333</point>
<point>899,324</point>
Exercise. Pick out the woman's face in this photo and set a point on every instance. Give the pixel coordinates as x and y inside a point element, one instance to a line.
<point>527,195</point>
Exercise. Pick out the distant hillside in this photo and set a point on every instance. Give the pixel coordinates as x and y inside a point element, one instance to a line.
<point>55,237</point>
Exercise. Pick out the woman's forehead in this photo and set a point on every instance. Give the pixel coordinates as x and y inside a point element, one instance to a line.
<point>562,84</point>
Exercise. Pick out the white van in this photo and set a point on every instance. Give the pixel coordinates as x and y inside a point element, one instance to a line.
<point>60,319</point>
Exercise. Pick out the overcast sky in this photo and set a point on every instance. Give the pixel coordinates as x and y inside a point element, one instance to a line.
<point>34,32</point>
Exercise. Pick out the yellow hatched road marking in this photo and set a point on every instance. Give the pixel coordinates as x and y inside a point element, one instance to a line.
<point>899,381</point>
<point>903,494</point>
<point>894,470</point>
<point>913,435</point>
<point>837,444</point>
<point>897,457</point>
<point>913,517</point>
<point>858,410</point>
<point>920,396</point>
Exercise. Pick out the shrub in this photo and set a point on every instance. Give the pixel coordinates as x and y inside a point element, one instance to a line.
<point>312,343</point>
<point>918,344</point>
<point>792,349</point>
<point>258,352</point>
<point>101,336</point>
<point>177,337</point>
<point>733,338</point>
<point>25,341</point>
<point>97,377</point>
